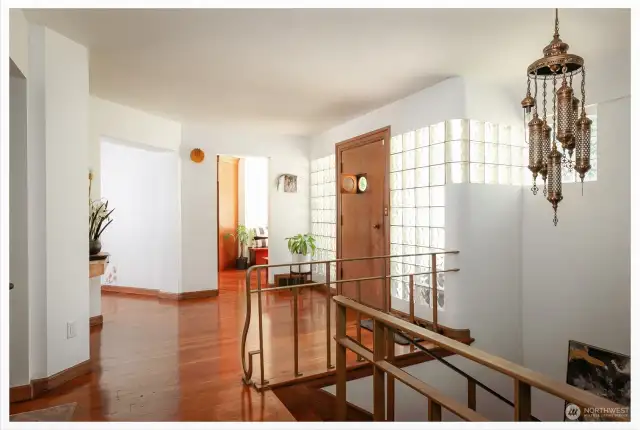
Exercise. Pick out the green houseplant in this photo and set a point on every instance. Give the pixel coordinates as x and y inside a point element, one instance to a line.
<point>301,247</point>
<point>243,236</point>
<point>99,220</point>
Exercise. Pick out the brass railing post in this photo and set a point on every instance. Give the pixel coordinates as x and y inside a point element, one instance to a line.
<point>296,364</point>
<point>522,400</point>
<point>260,334</point>
<point>412,317</point>
<point>341,364</point>
<point>378,374</point>
<point>434,292</point>
<point>327,271</point>
<point>359,318</point>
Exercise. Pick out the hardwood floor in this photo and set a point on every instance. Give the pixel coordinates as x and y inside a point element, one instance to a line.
<point>163,360</point>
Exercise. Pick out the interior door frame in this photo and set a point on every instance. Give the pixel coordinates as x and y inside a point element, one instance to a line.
<point>218,156</point>
<point>383,134</point>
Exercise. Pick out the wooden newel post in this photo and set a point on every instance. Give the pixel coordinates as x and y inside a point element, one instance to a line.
<point>379,347</point>
<point>522,399</point>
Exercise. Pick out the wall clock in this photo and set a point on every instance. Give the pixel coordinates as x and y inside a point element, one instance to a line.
<point>349,184</point>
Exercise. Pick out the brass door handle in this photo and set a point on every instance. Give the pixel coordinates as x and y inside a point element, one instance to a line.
<point>376,226</point>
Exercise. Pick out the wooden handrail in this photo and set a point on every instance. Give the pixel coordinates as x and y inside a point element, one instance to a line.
<point>519,373</point>
<point>421,387</point>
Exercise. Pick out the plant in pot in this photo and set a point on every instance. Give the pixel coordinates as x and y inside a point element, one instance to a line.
<point>302,247</point>
<point>99,220</point>
<point>244,236</point>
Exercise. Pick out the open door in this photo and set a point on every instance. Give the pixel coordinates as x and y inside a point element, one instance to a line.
<point>227,211</point>
<point>363,221</point>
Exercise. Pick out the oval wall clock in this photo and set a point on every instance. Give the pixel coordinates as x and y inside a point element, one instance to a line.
<point>197,155</point>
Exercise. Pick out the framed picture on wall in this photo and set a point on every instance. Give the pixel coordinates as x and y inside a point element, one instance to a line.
<point>601,372</point>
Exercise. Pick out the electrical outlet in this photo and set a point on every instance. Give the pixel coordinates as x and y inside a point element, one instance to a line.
<point>71,329</point>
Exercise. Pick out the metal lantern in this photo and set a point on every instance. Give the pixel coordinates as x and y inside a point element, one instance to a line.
<point>535,148</point>
<point>567,125</point>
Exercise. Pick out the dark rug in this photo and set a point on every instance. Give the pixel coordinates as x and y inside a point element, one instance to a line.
<point>368,325</point>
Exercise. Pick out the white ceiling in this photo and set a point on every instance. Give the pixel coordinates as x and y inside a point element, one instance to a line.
<point>302,71</point>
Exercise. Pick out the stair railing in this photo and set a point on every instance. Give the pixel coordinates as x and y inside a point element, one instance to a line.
<point>247,357</point>
<point>385,324</point>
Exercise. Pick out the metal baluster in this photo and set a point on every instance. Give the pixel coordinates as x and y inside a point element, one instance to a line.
<point>295,332</point>
<point>359,318</point>
<point>327,272</point>
<point>434,292</point>
<point>262,380</point>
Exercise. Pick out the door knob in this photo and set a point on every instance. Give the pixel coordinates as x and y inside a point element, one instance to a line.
<point>376,226</point>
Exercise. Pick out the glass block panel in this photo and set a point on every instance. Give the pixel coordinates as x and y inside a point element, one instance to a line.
<point>516,175</point>
<point>490,132</point>
<point>476,131</point>
<point>457,150</point>
<point>314,216</point>
<point>409,235</point>
<point>407,269</point>
<point>504,134</point>
<point>422,239</point>
<point>409,198</point>
<point>396,198</point>
<point>396,144</point>
<point>422,157</point>
<point>504,154</point>
<point>422,218</point>
<point>437,196</point>
<point>436,155</point>
<point>437,133</point>
<point>504,175</point>
<point>436,237</point>
<point>457,173</point>
<point>422,177</point>
<point>422,197</point>
<point>409,141</point>
<point>396,249</point>
<point>409,160</point>
<point>441,300</point>
<point>491,153</point>
<point>456,129</point>
<point>332,162</point>
<point>396,234</point>
<point>424,260</point>
<point>409,217</point>
<point>320,190</point>
<point>395,180</point>
<point>592,174</point>
<point>425,294</point>
<point>568,175</point>
<point>396,162</point>
<point>476,152</point>
<point>314,165</point>
<point>436,217</point>
<point>405,291</point>
<point>476,173</point>
<point>437,175</point>
<point>409,252</point>
<point>516,156</point>
<point>490,174</point>
<point>409,178</point>
<point>525,156</point>
<point>396,288</point>
<point>440,262</point>
<point>422,137</point>
<point>419,300</point>
<point>396,216</point>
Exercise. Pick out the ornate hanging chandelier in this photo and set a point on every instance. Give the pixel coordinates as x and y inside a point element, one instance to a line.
<point>569,127</point>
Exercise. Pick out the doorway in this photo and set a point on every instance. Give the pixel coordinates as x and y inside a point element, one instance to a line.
<point>242,201</point>
<point>363,221</point>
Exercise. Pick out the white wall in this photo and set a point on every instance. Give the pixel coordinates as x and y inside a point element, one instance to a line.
<point>445,100</point>
<point>576,276</point>
<point>18,222</point>
<point>256,191</point>
<point>143,239</point>
<point>19,40</point>
<point>288,212</point>
<point>58,230</point>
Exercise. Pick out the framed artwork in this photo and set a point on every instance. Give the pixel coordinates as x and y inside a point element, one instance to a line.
<point>290,184</point>
<point>601,372</point>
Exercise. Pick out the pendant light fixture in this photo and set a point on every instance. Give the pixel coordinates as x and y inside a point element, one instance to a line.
<point>570,127</point>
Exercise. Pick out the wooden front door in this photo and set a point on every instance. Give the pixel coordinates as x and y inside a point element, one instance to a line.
<point>227,211</point>
<point>363,218</point>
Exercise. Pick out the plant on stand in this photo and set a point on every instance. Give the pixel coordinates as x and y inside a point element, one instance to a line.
<point>99,220</point>
<point>244,236</point>
<point>301,247</point>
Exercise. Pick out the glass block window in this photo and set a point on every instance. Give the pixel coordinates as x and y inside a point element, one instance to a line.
<point>323,211</point>
<point>569,175</point>
<point>422,162</point>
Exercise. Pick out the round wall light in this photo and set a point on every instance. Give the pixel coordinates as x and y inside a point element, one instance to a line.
<point>197,155</point>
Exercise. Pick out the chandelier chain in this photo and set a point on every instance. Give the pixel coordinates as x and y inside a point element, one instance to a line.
<point>553,112</point>
<point>535,94</point>
<point>584,75</point>
<point>557,33</point>
<point>544,98</point>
